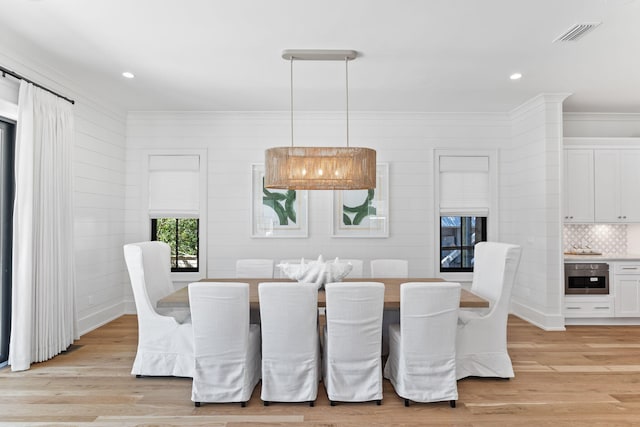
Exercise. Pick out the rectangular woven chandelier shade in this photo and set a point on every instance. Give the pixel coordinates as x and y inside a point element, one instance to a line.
<point>320,168</point>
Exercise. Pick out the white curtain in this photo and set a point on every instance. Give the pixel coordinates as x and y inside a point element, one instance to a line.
<point>43,319</point>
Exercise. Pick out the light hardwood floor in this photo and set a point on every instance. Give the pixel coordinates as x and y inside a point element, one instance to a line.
<point>586,376</point>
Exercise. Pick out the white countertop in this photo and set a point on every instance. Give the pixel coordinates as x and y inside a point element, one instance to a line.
<point>603,257</point>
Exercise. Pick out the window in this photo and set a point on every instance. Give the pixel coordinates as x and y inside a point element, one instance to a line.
<point>181,234</point>
<point>466,188</point>
<point>458,235</point>
<point>7,145</point>
<point>176,198</point>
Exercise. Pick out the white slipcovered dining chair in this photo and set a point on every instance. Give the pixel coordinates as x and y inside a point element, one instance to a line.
<point>226,346</point>
<point>165,339</point>
<point>481,347</point>
<point>254,268</point>
<point>352,342</point>
<point>357,270</point>
<point>290,342</point>
<point>422,348</point>
<point>389,268</point>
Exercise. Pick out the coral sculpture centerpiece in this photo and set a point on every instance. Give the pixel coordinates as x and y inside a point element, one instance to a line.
<point>318,271</point>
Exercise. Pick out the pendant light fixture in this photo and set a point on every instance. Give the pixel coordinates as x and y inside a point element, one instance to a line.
<point>320,168</point>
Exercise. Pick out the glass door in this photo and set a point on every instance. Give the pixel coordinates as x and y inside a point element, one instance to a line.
<point>7,143</point>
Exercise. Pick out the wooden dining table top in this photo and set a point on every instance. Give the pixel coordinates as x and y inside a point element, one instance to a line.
<point>180,298</point>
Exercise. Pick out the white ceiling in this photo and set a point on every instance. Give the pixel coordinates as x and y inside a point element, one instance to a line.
<point>415,55</point>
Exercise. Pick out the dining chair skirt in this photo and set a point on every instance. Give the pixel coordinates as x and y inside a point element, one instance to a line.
<point>422,356</point>
<point>290,342</point>
<point>226,346</point>
<point>352,344</point>
<point>481,344</point>
<point>165,339</point>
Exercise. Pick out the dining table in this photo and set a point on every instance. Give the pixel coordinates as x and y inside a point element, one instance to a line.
<point>180,298</point>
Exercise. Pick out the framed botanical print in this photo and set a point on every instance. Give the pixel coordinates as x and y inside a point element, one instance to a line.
<point>363,213</point>
<point>276,213</point>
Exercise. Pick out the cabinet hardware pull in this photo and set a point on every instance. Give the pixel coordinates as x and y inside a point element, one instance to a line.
<point>601,308</point>
<point>574,308</point>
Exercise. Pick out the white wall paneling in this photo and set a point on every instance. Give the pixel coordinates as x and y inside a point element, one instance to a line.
<point>531,209</point>
<point>236,140</point>
<point>99,160</point>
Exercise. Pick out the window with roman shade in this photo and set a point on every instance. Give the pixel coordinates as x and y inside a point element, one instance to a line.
<point>174,186</point>
<point>176,201</point>
<point>465,183</point>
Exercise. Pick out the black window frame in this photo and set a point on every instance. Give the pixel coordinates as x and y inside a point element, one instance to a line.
<point>466,251</point>
<point>175,268</point>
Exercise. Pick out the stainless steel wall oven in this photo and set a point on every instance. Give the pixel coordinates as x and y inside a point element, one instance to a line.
<point>586,278</point>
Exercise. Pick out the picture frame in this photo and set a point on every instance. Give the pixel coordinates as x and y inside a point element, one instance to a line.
<point>363,213</point>
<point>277,213</point>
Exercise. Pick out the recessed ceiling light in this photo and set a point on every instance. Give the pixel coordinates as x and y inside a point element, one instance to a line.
<point>128,75</point>
<point>515,76</point>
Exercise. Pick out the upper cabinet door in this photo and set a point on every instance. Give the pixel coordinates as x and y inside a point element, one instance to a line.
<point>578,186</point>
<point>617,180</point>
<point>607,186</point>
<point>630,185</point>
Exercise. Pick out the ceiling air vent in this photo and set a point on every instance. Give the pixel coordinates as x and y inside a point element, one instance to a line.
<point>576,32</point>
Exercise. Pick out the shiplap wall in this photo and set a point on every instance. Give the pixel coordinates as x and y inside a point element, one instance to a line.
<point>236,140</point>
<point>531,216</point>
<point>99,191</point>
<point>99,184</point>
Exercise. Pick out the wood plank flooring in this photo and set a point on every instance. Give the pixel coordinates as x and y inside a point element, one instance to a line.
<point>586,376</point>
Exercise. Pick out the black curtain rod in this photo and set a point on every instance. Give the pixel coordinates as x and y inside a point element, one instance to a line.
<point>5,71</point>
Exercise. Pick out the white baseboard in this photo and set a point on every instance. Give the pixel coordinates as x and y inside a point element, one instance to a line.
<point>100,317</point>
<point>603,321</point>
<point>542,320</point>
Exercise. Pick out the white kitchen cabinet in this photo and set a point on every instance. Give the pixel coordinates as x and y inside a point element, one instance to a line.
<point>578,186</point>
<point>588,306</point>
<point>617,179</point>
<point>626,288</point>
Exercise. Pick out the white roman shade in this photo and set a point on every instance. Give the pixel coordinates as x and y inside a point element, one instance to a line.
<point>174,186</point>
<point>465,188</point>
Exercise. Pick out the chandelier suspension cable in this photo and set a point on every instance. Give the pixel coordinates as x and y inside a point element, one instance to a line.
<point>291,100</point>
<point>346,77</point>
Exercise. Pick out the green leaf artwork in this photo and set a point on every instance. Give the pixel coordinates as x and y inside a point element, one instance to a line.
<point>354,215</point>
<point>283,204</point>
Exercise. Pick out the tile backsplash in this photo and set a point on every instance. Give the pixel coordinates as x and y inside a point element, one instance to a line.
<point>606,238</point>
